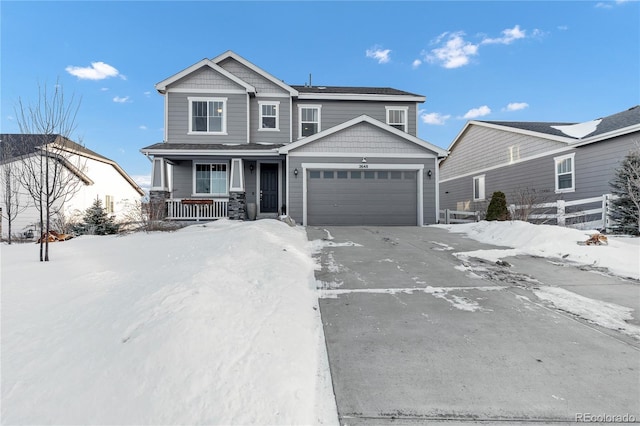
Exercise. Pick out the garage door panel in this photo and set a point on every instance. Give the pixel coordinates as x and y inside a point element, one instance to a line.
<point>360,201</point>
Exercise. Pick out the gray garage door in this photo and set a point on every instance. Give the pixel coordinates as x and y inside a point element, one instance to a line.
<point>343,197</point>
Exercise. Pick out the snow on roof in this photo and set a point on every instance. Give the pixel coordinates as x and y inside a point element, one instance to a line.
<point>579,130</point>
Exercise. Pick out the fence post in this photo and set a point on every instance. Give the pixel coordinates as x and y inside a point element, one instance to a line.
<point>477,215</point>
<point>447,216</point>
<point>512,210</point>
<point>605,212</point>
<point>560,212</point>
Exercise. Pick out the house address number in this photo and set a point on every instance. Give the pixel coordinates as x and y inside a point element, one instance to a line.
<point>363,166</point>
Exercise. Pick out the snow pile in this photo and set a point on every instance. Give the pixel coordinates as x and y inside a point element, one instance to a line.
<point>215,324</point>
<point>579,130</point>
<point>621,256</point>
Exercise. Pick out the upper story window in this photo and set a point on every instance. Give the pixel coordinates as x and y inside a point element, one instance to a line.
<point>309,119</point>
<point>565,173</point>
<point>397,117</point>
<point>208,115</point>
<point>269,115</point>
<point>210,179</point>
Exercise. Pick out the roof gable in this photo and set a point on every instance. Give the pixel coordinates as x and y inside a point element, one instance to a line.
<point>232,55</point>
<point>364,119</point>
<point>163,85</point>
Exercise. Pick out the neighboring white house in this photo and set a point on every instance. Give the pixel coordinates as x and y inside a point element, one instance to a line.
<point>99,177</point>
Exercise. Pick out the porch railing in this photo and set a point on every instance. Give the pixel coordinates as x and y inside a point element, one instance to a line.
<point>197,209</point>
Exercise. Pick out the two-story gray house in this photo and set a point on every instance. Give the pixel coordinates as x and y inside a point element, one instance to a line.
<point>240,142</point>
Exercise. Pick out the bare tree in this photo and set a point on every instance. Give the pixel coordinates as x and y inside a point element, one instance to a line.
<point>51,170</point>
<point>13,201</point>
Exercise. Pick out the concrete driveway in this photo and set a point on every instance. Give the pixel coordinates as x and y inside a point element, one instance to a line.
<point>417,336</point>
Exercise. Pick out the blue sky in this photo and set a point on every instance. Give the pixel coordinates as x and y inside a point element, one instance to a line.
<point>567,61</point>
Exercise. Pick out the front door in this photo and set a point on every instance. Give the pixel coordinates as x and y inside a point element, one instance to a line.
<point>268,188</point>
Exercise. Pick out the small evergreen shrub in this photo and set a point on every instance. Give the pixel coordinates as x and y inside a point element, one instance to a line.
<point>497,209</point>
<point>625,207</point>
<point>97,221</point>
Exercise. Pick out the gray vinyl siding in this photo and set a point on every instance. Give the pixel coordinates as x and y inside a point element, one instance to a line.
<point>178,119</point>
<point>482,147</point>
<point>296,185</point>
<point>284,116</point>
<point>594,164</point>
<point>206,78</point>
<point>333,113</point>
<point>261,84</point>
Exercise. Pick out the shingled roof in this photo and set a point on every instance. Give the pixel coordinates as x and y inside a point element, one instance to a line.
<point>607,124</point>
<point>346,90</point>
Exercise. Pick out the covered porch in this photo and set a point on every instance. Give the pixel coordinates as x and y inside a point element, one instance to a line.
<point>208,182</point>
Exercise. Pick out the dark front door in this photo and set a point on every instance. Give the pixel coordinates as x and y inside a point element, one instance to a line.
<point>268,188</point>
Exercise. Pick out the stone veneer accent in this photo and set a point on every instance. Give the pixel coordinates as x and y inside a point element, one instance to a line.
<point>237,207</point>
<point>157,205</point>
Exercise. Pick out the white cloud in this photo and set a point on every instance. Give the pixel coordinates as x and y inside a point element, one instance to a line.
<point>104,89</point>
<point>434,118</point>
<point>508,36</point>
<point>563,27</point>
<point>382,56</point>
<point>120,100</point>
<point>97,71</point>
<point>142,127</point>
<point>144,181</point>
<point>147,93</point>
<point>515,106</point>
<point>477,112</point>
<point>454,52</point>
<point>416,63</point>
<point>610,4</point>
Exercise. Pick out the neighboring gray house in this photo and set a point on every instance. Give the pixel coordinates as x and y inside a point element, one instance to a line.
<point>548,161</point>
<point>240,142</point>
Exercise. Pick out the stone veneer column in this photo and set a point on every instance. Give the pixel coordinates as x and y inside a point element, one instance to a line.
<point>157,204</point>
<point>237,207</point>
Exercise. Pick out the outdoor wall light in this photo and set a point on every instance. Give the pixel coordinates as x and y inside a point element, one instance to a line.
<point>429,173</point>
<point>295,172</point>
<point>364,159</point>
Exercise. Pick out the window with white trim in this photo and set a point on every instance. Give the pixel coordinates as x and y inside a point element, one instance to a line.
<point>210,179</point>
<point>565,173</point>
<point>478,188</point>
<point>269,115</point>
<point>309,117</point>
<point>108,204</point>
<point>208,115</point>
<point>397,117</point>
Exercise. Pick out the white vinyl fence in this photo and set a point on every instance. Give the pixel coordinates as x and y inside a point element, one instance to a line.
<point>457,216</point>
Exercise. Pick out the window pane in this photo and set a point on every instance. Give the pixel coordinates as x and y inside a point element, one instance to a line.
<point>396,175</point>
<point>203,178</point>
<point>268,122</point>
<point>409,175</point>
<point>309,129</point>
<point>356,175</point>
<point>314,174</point>
<point>328,175</point>
<point>369,175</point>
<point>343,175</point>
<point>565,181</point>
<point>476,188</point>
<point>215,124</point>
<point>383,175</point>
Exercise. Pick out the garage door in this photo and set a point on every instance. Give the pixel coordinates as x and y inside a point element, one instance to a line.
<point>357,197</point>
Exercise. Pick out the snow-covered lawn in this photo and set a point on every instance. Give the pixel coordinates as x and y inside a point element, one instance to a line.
<point>621,256</point>
<point>215,324</point>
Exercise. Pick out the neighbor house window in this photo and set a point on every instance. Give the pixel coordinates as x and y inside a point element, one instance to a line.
<point>269,115</point>
<point>108,204</point>
<point>309,119</point>
<point>208,115</point>
<point>565,173</point>
<point>211,179</point>
<point>478,188</point>
<point>397,117</point>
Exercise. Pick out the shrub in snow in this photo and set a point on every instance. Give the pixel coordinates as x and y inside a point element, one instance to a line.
<point>625,207</point>
<point>497,209</point>
<point>97,221</point>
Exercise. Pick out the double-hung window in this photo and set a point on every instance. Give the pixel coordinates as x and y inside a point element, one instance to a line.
<point>478,188</point>
<point>269,115</point>
<point>208,115</point>
<point>211,179</point>
<point>565,173</point>
<point>309,119</point>
<point>397,117</point>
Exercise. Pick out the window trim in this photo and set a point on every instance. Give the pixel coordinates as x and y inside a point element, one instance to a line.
<point>405,110</point>
<point>209,194</point>
<point>192,99</point>
<point>482,194</point>
<point>556,162</point>
<point>276,104</point>
<point>309,106</point>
